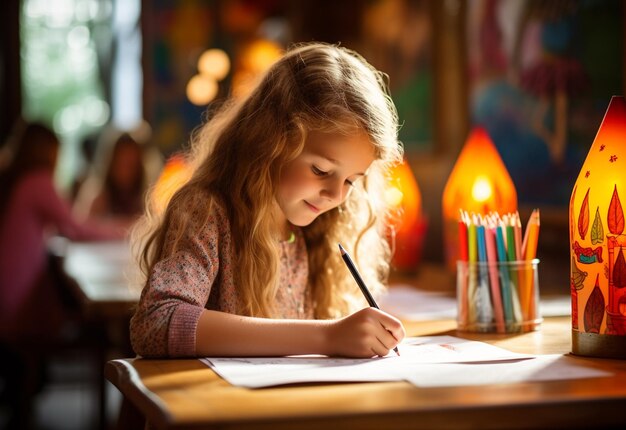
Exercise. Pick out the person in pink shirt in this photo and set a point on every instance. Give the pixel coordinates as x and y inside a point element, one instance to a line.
<point>244,259</point>
<point>31,210</point>
<point>31,310</point>
<point>125,166</point>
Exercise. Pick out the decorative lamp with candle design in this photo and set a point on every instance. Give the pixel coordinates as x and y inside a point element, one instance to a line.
<point>479,183</point>
<point>598,242</point>
<point>407,226</point>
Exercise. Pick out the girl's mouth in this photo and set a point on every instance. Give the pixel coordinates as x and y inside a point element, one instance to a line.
<point>313,208</point>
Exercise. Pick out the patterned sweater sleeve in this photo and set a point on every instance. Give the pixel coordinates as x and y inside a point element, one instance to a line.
<point>176,293</point>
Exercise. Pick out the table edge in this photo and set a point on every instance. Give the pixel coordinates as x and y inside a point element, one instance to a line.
<point>125,378</point>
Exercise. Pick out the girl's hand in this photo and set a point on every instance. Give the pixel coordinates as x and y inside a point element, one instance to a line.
<point>367,333</point>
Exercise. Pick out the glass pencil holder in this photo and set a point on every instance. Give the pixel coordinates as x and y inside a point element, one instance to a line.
<point>498,297</point>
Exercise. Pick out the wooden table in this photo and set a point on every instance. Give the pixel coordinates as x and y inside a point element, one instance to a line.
<point>99,276</point>
<point>186,394</point>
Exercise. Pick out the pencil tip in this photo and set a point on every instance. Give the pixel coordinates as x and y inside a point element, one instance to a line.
<point>340,247</point>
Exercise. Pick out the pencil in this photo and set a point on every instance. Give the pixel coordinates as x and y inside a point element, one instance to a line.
<point>509,315</point>
<point>529,247</point>
<point>511,248</point>
<point>517,225</point>
<point>483,302</point>
<point>359,280</point>
<point>522,286</point>
<point>492,258</point>
<point>463,256</point>
<point>529,250</point>
<point>463,248</point>
<point>472,243</point>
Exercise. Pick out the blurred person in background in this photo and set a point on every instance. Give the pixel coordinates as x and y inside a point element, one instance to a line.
<point>33,314</point>
<point>123,170</point>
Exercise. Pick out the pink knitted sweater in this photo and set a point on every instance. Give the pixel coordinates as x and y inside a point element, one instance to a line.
<point>200,276</point>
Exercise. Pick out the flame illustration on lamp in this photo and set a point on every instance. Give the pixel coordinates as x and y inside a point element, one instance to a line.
<point>407,223</point>
<point>598,240</point>
<point>479,183</point>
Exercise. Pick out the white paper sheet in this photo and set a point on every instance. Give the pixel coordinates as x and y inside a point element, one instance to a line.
<point>540,368</point>
<point>414,352</point>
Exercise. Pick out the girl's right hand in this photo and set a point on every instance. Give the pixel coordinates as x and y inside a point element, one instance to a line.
<point>367,333</point>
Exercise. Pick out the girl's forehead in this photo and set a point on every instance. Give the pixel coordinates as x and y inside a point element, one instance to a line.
<point>334,142</point>
<point>354,149</point>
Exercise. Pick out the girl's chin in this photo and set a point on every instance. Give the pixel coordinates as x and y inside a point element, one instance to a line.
<point>303,221</point>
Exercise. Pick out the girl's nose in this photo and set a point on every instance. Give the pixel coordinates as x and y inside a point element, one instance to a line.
<point>333,191</point>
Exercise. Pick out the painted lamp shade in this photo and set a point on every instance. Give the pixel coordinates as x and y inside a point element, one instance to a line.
<point>407,226</point>
<point>479,183</point>
<point>598,242</point>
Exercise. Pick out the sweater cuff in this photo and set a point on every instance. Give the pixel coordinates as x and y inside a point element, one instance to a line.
<point>182,331</point>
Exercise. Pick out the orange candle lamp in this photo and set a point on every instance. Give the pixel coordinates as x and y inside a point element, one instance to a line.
<point>479,183</point>
<point>407,225</point>
<point>598,242</point>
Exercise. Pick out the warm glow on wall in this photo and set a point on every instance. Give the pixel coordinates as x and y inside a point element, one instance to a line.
<point>598,242</point>
<point>175,174</point>
<point>254,60</point>
<point>407,222</point>
<point>479,183</point>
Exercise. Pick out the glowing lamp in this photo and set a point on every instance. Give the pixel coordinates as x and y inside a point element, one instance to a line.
<point>479,183</point>
<point>174,175</point>
<point>598,242</point>
<point>407,226</point>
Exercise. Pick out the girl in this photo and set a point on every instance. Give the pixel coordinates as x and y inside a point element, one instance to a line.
<point>33,313</point>
<point>115,190</point>
<point>244,260</point>
<point>31,209</point>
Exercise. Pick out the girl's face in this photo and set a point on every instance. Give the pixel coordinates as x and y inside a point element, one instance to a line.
<point>321,177</point>
<point>126,165</point>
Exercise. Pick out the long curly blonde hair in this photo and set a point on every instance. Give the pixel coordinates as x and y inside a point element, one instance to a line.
<point>237,158</point>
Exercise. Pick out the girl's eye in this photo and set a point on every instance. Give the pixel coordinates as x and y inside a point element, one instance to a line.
<point>317,171</point>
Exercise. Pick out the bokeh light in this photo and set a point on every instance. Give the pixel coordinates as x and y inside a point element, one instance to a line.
<point>214,63</point>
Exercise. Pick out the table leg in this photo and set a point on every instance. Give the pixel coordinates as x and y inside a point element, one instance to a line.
<point>130,417</point>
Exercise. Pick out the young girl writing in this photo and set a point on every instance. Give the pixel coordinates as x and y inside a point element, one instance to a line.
<point>244,260</point>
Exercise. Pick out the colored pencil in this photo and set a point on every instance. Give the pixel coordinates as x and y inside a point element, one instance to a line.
<point>463,256</point>
<point>472,246</point>
<point>492,258</point>
<point>483,301</point>
<point>529,250</point>
<point>505,287</point>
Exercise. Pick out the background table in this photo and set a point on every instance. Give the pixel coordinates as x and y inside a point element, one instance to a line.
<point>103,276</point>
<point>100,277</point>
<point>187,394</point>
